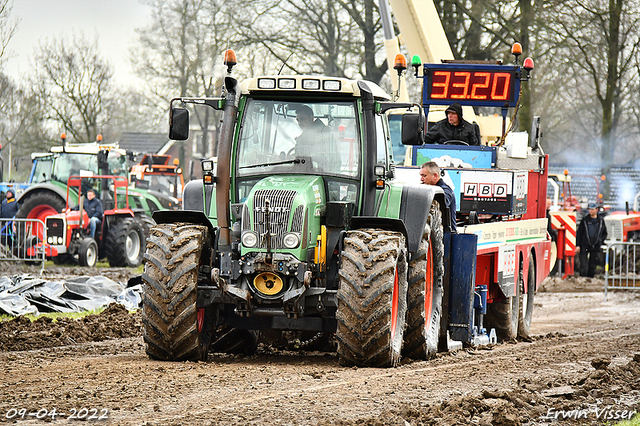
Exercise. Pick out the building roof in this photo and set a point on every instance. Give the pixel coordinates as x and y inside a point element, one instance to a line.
<point>147,143</point>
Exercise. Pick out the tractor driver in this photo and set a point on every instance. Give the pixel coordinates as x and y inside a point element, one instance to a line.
<point>93,207</point>
<point>311,131</point>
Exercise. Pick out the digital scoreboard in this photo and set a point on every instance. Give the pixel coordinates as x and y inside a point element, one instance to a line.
<point>471,84</point>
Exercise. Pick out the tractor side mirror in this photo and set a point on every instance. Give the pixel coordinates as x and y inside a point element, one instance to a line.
<point>179,124</point>
<point>412,129</point>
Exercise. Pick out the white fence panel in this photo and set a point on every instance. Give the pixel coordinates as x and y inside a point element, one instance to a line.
<point>19,241</point>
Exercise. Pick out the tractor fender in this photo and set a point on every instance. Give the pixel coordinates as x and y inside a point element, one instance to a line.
<point>387,223</point>
<point>414,211</point>
<point>186,216</point>
<point>122,213</point>
<point>45,187</point>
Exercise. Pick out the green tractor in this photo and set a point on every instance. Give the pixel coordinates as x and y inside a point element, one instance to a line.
<point>301,233</point>
<point>47,193</point>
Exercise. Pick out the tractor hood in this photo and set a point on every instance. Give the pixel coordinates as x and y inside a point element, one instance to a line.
<point>286,208</point>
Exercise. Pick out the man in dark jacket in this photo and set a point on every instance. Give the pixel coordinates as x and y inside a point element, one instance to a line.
<point>93,207</point>
<point>430,175</point>
<point>589,238</point>
<point>453,128</point>
<point>9,206</point>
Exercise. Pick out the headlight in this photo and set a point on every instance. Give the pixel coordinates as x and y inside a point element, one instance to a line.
<point>291,240</point>
<point>50,240</point>
<point>59,240</point>
<point>207,165</point>
<point>249,239</point>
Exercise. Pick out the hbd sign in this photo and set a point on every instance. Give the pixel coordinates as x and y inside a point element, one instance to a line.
<point>485,190</point>
<point>495,192</point>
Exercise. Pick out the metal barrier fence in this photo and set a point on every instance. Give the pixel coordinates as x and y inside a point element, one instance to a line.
<point>622,267</point>
<point>19,241</point>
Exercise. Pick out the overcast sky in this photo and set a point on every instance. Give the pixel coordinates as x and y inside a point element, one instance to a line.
<point>114,21</point>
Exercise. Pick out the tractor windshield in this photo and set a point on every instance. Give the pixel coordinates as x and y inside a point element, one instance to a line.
<point>42,169</point>
<point>280,137</point>
<point>69,164</point>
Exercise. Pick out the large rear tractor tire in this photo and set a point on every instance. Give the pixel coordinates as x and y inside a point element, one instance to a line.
<point>125,243</point>
<point>426,272</point>
<point>172,329</point>
<point>39,205</point>
<point>372,298</point>
<point>526,302</point>
<point>503,314</point>
<point>147,222</point>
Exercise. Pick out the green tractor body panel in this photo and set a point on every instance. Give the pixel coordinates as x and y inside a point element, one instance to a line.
<point>390,201</point>
<point>295,205</point>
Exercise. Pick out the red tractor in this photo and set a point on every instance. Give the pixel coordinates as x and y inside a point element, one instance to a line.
<point>120,237</point>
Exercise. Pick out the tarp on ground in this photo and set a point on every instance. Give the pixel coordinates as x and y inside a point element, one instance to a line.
<point>24,294</point>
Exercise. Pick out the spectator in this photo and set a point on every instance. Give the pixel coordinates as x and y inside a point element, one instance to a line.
<point>589,238</point>
<point>9,206</point>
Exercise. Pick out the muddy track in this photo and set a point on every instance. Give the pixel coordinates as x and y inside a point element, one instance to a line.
<point>564,368</point>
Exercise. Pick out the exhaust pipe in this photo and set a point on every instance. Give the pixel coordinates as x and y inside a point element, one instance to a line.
<point>223,178</point>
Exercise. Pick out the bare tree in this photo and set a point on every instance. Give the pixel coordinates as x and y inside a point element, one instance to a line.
<point>487,30</point>
<point>74,84</point>
<point>8,28</point>
<point>602,43</point>
<point>333,37</point>
<point>22,127</point>
<point>367,17</point>
<point>302,36</point>
<point>177,54</point>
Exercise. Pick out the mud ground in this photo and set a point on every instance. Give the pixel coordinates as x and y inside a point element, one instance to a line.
<point>581,367</point>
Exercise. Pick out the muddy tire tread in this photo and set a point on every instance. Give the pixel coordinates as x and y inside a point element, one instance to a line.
<point>420,343</point>
<point>369,261</point>
<point>169,314</point>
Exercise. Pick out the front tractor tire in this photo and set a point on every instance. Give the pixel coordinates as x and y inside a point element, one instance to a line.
<point>372,298</point>
<point>125,243</point>
<point>88,252</point>
<point>171,327</point>
<point>426,272</point>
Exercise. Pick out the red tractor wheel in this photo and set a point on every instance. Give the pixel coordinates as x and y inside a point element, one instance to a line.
<point>39,205</point>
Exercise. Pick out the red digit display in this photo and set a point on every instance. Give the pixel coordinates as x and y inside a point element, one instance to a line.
<point>461,84</point>
<point>440,88</point>
<point>471,85</point>
<point>479,86</point>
